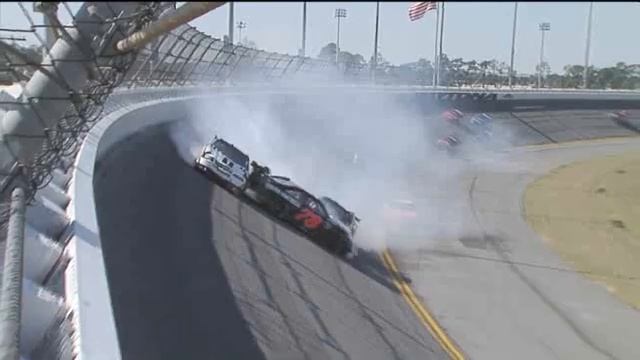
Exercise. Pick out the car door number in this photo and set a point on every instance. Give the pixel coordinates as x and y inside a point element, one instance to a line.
<point>309,219</point>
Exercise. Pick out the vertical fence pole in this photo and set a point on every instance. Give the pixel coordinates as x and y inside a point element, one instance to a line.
<point>11,295</point>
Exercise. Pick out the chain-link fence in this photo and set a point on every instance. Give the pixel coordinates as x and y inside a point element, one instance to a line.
<point>65,79</point>
<point>186,56</point>
<point>181,57</point>
<point>81,47</point>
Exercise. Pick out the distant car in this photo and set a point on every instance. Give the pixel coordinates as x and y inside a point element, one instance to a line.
<point>399,210</point>
<point>480,126</point>
<point>400,218</point>
<point>453,116</point>
<point>320,220</point>
<point>481,120</point>
<point>620,117</point>
<point>225,163</point>
<point>449,144</point>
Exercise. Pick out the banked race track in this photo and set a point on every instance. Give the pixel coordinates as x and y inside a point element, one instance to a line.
<point>196,273</point>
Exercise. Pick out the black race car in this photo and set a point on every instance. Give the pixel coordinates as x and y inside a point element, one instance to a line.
<point>323,221</point>
<point>337,211</point>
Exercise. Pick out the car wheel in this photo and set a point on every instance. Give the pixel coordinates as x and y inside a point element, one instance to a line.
<point>235,190</point>
<point>278,210</point>
<point>341,247</point>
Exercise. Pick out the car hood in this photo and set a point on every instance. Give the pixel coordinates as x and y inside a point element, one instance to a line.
<point>344,227</point>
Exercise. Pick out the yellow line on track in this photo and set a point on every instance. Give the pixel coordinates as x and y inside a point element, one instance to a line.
<point>423,314</point>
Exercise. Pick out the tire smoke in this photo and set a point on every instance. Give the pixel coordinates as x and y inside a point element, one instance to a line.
<point>362,149</point>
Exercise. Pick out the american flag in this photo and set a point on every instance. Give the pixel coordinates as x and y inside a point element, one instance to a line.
<point>418,9</point>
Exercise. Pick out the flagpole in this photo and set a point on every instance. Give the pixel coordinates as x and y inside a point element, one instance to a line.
<point>304,29</point>
<point>586,52</point>
<point>441,33</point>
<point>375,45</point>
<point>513,42</point>
<point>435,48</point>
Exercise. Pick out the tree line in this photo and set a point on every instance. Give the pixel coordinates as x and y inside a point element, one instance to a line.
<point>486,73</point>
<point>453,71</point>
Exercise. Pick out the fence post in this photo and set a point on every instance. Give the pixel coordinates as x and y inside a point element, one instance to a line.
<point>11,295</point>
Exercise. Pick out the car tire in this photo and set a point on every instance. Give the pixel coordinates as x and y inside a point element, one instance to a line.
<point>235,190</point>
<point>340,247</point>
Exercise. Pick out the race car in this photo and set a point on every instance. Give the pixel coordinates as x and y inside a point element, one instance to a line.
<point>481,120</point>
<point>320,220</point>
<point>449,144</point>
<point>400,218</point>
<point>399,210</point>
<point>620,117</point>
<point>480,126</point>
<point>225,163</point>
<point>337,211</point>
<point>453,116</point>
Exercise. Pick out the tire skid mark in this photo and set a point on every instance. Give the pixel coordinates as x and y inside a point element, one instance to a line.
<point>262,275</point>
<point>302,292</point>
<point>292,260</point>
<point>367,316</point>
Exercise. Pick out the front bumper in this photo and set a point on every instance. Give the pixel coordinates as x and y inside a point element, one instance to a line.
<point>353,251</point>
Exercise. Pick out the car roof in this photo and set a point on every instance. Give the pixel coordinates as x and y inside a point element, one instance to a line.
<point>219,139</point>
<point>284,181</point>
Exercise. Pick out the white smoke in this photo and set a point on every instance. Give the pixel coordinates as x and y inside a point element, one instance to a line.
<point>314,139</point>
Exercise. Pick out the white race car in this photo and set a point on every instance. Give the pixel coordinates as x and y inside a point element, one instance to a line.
<point>225,163</point>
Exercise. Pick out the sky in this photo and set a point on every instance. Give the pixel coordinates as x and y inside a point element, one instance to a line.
<point>472,30</point>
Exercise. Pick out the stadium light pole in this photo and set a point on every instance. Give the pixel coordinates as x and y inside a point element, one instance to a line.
<point>588,47</point>
<point>543,27</point>
<point>374,63</point>
<point>340,13</point>
<point>435,48</point>
<point>304,29</point>
<point>513,42</point>
<point>241,25</point>
<point>230,22</point>
<point>440,44</point>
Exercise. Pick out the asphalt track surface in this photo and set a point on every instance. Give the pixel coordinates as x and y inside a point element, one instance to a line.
<point>497,289</point>
<point>194,273</point>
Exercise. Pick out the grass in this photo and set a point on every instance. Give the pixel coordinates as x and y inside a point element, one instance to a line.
<point>589,212</point>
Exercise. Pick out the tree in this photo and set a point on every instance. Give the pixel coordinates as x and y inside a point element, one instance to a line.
<point>459,72</point>
<point>423,70</point>
<point>456,72</point>
<point>328,52</point>
<point>350,59</point>
<point>573,76</point>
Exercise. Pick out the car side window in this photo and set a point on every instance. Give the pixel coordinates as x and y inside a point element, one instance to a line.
<point>315,206</point>
<point>294,194</point>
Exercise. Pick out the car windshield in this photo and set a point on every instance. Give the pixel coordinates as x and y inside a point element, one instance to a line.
<point>231,152</point>
<point>335,210</point>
